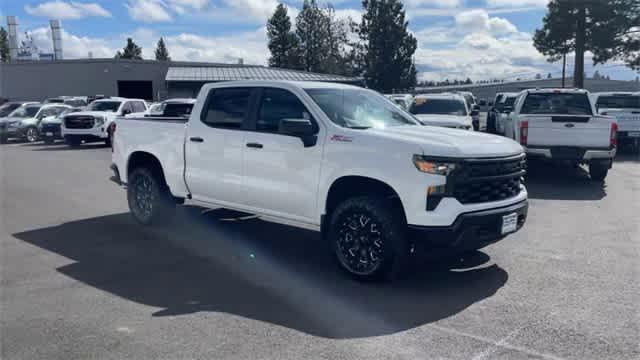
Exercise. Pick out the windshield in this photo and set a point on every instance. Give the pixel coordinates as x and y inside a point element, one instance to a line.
<point>619,102</point>
<point>104,106</point>
<point>557,103</point>
<point>438,107</point>
<point>6,109</point>
<point>359,108</point>
<point>25,111</point>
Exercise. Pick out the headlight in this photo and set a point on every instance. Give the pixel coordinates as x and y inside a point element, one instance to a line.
<point>431,166</point>
<point>99,120</point>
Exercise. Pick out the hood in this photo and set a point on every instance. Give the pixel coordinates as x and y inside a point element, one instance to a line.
<point>445,142</point>
<point>51,120</point>
<point>93,113</point>
<point>24,121</point>
<point>444,120</point>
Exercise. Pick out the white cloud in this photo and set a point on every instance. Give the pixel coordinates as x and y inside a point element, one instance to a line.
<point>256,9</point>
<point>73,46</point>
<point>148,11</point>
<point>67,10</point>
<point>479,20</point>
<point>434,3</point>
<point>182,6</point>
<point>517,3</point>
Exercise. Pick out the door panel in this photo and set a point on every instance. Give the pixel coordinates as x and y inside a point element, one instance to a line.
<point>281,174</point>
<point>215,147</point>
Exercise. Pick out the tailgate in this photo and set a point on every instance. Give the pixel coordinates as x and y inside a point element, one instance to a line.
<point>568,130</point>
<point>628,120</point>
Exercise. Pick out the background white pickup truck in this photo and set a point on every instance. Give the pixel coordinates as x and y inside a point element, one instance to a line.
<point>625,108</point>
<point>335,158</point>
<point>94,124</point>
<point>562,124</point>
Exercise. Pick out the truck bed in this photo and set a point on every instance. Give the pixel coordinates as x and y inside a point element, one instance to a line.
<point>162,137</point>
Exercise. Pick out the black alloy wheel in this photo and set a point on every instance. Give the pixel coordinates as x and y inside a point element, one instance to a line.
<point>360,245</point>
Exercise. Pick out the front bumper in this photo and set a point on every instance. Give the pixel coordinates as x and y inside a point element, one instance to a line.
<point>95,132</point>
<point>470,231</point>
<point>570,153</point>
<point>50,131</point>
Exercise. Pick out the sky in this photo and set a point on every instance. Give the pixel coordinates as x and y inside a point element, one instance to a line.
<point>457,39</point>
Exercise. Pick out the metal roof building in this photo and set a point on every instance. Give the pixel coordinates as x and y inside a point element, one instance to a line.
<point>147,79</point>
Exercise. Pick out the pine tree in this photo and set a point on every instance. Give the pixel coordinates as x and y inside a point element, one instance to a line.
<point>4,45</point>
<point>606,28</point>
<point>387,46</point>
<point>130,51</point>
<point>283,43</point>
<point>311,30</point>
<point>162,54</point>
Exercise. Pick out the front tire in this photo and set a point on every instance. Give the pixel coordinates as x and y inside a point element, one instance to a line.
<point>150,201</point>
<point>369,239</point>
<point>31,134</point>
<point>598,170</point>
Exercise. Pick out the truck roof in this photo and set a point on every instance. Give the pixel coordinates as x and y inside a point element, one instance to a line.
<point>299,84</point>
<point>445,96</point>
<point>615,93</point>
<point>557,91</point>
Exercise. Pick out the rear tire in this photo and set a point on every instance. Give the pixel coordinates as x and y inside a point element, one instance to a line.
<point>150,201</point>
<point>369,239</point>
<point>598,170</point>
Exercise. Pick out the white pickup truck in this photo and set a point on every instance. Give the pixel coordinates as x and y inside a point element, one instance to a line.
<point>625,108</point>
<point>94,124</point>
<point>335,158</point>
<point>562,124</point>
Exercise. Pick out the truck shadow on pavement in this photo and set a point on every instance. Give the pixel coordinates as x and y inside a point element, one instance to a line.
<point>64,147</point>
<point>546,180</point>
<point>222,261</point>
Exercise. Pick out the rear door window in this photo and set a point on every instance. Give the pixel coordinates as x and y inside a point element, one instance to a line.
<point>557,103</point>
<point>227,108</point>
<point>138,106</point>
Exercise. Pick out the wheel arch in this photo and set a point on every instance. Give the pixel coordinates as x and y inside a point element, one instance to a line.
<point>145,159</point>
<point>356,185</point>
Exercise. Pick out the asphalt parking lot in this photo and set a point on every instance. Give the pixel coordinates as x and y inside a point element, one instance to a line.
<point>80,280</point>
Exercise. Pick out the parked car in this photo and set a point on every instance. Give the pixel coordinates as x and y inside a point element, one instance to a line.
<point>336,158</point>
<point>403,101</point>
<point>562,124</point>
<point>8,107</point>
<point>23,122</point>
<point>625,108</point>
<point>503,109</point>
<point>447,110</point>
<point>168,108</point>
<point>75,101</point>
<point>472,104</point>
<point>93,124</point>
<point>50,127</point>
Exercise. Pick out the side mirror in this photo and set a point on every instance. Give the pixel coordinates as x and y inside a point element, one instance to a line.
<point>490,103</point>
<point>301,128</point>
<point>507,109</point>
<point>126,112</point>
<point>475,112</point>
<point>476,107</point>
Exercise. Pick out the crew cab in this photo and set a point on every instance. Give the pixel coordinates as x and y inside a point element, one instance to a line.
<point>624,107</point>
<point>335,158</point>
<point>447,110</point>
<point>93,124</point>
<point>562,124</point>
<point>23,122</point>
<point>503,109</point>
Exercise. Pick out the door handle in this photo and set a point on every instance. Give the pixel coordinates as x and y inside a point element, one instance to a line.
<point>196,139</point>
<point>254,145</point>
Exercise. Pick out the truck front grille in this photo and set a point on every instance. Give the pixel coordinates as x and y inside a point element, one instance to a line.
<point>79,122</point>
<point>486,180</point>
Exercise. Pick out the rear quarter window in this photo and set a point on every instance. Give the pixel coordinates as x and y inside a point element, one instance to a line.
<point>556,103</point>
<point>619,102</point>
